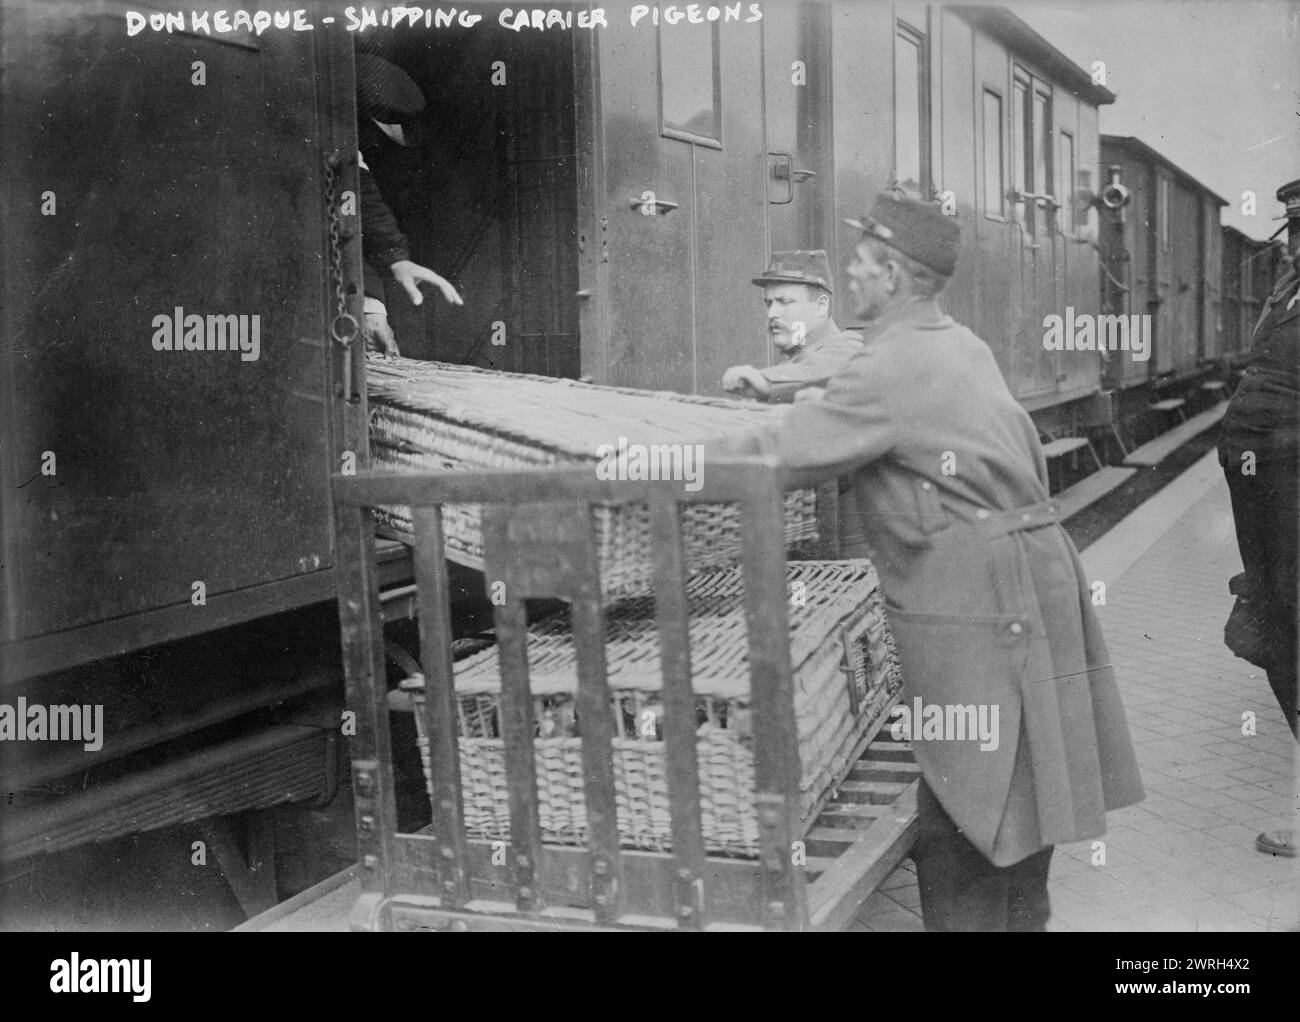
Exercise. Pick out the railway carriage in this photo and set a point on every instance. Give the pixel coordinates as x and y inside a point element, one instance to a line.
<point>1250,270</point>
<point>1163,258</point>
<point>601,196</point>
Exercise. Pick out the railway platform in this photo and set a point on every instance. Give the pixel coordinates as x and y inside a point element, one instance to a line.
<point>1183,859</point>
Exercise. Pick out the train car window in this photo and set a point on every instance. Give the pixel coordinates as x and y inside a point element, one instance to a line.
<point>1069,209</point>
<point>1042,136</point>
<point>1020,172</point>
<point>911,156</point>
<point>994,182</point>
<point>690,90</point>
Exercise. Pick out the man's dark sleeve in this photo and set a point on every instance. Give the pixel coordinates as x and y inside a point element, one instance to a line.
<point>382,242</point>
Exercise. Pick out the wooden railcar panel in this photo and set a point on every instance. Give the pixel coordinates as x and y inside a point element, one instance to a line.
<point>680,305</point>
<point>1233,309</point>
<point>956,158</point>
<point>650,340</point>
<point>1138,242</point>
<point>996,241</point>
<point>1084,287</point>
<point>1077,371</point>
<point>172,467</point>
<point>797,105</point>
<point>1186,247</point>
<point>1211,281</point>
<point>730,190</point>
<point>1036,368</point>
<point>862,81</point>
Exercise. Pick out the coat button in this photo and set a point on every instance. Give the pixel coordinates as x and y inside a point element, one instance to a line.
<point>925,485</point>
<point>982,513</point>
<point>1016,628</point>
<point>1026,516</point>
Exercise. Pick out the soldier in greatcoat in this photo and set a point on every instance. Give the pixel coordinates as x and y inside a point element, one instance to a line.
<point>797,293</point>
<point>1259,449</point>
<point>947,493</point>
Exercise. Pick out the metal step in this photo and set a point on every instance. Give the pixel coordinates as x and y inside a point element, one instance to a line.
<point>865,770</point>
<point>888,751</point>
<point>1065,445</point>
<point>878,793</point>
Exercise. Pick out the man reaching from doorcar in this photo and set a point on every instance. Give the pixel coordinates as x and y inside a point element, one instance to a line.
<point>798,294</point>
<point>387,102</point>
<point>947,494</point>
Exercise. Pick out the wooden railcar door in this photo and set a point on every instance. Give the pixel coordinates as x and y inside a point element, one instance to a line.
<point>161,182</point>
<point>796,84</point>
<point>1211,308</point>
<point>1164,324</point>
<point>1036,370</point>
<point>672,178</point>
<point>1186,252</point>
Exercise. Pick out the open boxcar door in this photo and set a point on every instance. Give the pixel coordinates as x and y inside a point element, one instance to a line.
<point>167,192</point>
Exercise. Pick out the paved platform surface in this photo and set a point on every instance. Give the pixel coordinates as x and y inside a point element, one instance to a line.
<point>1184,859</point>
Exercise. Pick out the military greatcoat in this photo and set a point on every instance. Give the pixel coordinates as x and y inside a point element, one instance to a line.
<point>985,593</point>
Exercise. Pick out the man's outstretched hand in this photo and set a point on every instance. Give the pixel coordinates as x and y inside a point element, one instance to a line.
<point>411,275</point>
<point>745,379</point>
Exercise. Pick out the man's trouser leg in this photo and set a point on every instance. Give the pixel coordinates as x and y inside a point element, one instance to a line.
<point>962,890</point>
<point>1265,510</point>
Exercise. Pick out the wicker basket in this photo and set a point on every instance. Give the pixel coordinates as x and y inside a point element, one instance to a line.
<point>429,416</point>
<point>842,656</point>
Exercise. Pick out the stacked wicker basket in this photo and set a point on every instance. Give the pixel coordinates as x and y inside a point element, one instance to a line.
<point>845,670</point>
<point>432,416</point>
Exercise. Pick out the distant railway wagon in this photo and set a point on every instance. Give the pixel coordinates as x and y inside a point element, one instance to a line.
<point>601,193</point>
<point>1163,254</point>
<point>1250,270</point>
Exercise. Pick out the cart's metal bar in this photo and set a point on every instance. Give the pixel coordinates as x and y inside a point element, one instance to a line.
<point>672,614</point>
<point>597,724</point>
<point>776,744</point>
<point>440,724</point>
<point>517,734</point>
<point>374,806</point>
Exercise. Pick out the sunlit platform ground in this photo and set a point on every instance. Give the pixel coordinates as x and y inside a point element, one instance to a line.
<point>1184,859</point>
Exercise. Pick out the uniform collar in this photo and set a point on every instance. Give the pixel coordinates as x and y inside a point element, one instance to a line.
<point>920,312</point>
<point>803,350</point>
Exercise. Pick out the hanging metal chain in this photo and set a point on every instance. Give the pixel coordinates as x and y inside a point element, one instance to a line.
<point>343,327</point>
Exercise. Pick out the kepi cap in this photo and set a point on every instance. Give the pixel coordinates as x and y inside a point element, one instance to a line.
<point>386,93</point>
<point>919,230</point>
<point>812,267</point>
<point>1289,195</point>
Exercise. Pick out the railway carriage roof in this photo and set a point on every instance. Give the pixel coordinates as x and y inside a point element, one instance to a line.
<point>1144,151</point>
<point>1018,36</point>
